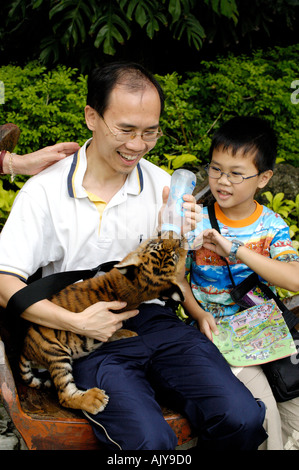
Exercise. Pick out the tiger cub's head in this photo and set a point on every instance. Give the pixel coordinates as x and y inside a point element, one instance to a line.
<point>157,266</point>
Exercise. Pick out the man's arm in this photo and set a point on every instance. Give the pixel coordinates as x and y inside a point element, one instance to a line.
<point>96,321</point>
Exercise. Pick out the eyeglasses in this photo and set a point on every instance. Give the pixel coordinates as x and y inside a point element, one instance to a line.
<point>126,136</point>
<point>232,177</point>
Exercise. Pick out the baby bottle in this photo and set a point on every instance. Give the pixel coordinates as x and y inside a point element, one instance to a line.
<point>182,182</point>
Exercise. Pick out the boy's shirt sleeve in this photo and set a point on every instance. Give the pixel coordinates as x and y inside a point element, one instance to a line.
<point>281,247</point>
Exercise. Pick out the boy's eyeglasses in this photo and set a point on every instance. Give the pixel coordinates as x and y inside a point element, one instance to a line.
<point>126,136</point>
<point>233,177</point>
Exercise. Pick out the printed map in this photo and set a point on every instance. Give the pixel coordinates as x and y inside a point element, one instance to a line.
<point>254,336</point>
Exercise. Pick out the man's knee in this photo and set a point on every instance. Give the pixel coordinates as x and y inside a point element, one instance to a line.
<point>236,428</point>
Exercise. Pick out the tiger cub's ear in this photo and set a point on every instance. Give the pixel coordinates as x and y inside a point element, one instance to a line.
<point>175,292</point>
<point>126,267</point>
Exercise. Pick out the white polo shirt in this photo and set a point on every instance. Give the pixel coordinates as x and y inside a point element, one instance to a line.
<point>54,225</point>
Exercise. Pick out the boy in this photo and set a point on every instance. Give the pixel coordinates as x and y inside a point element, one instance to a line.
<point>253,238</point>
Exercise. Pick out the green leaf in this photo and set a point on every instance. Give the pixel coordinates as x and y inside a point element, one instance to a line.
<point>277,201</point>
<point>174,9</point>
<point>269,196</point>
<point>181,160</point>
<point>165,168</point>
<point>140,15</point>
<point>170,157</point>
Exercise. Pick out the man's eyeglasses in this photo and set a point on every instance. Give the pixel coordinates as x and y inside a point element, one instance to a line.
<point>126,136</point>
<point>233,177</point>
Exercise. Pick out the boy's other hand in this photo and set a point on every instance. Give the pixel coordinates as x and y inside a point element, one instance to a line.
<point>212,240</point>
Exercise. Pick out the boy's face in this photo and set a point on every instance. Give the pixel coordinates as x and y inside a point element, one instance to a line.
<point>126,111</point>
<point>236,200</point>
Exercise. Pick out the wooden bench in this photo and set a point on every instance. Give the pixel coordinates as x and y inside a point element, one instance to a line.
<point>45,425</point>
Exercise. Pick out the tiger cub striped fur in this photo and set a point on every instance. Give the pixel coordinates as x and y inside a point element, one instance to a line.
<point>147,273</point>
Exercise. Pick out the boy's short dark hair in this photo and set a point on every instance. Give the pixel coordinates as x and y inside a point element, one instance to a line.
<point>252,134</point>
<point>102,81</point>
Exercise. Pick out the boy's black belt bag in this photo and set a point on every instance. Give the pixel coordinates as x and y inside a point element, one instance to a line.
<point>283,374</point>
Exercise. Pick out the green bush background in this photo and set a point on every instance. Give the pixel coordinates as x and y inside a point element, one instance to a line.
<point>48,106</point>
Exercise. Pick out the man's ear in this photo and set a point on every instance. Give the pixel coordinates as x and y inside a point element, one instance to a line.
<point>264,178</point>
<point>90,117</point>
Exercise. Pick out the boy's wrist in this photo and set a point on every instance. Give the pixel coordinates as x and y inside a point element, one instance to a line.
<point>236,244</point>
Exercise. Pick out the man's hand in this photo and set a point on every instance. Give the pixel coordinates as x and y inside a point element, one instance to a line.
<point>98,321</point>
<point>192,214</point>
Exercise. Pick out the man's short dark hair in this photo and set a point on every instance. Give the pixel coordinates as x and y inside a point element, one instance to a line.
<point>102,81</point>
<point>251,134</point>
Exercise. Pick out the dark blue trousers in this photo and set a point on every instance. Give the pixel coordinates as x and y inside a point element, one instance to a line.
<point>178,362</point>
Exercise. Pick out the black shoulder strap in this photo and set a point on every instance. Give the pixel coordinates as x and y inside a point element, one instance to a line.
<point>49,285</point>
<point>214,224</point>
<point>212,217</point>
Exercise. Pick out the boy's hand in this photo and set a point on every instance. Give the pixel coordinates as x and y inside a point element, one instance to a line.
<point>212,240</point>
<point>207,325</point>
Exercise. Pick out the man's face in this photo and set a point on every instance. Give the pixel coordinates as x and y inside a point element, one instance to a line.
<point>126,111</point>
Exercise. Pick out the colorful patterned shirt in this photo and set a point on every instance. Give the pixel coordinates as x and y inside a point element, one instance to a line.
<point>264,232</point>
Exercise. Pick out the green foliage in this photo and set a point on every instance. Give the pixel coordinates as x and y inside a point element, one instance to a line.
<point>6,201</point>
<point>178,161</point>
<point>82,31</point>
<point>247,85</point>
<point>105,23</point>
<point>48,107</point>
<point>289,211</point>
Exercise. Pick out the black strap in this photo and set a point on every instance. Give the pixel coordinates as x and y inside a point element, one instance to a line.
<point>49,285</point>
<point>214,224</point>
<point>253,280</point>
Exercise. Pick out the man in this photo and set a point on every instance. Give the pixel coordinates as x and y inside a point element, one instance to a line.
<point>97,208</point>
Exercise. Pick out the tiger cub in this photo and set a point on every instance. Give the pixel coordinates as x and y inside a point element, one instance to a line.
<point>147,273</point>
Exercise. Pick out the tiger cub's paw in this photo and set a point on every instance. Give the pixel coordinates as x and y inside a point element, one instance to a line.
<point>94,400</point>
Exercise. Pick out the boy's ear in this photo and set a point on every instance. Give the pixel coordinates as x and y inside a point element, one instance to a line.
<point>90,117</point>
<point>264,178</point>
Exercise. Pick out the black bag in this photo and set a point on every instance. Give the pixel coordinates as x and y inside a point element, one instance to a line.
<point>283,374</point>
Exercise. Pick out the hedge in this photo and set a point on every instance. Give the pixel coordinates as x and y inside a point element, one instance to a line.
<point>48,105</point>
